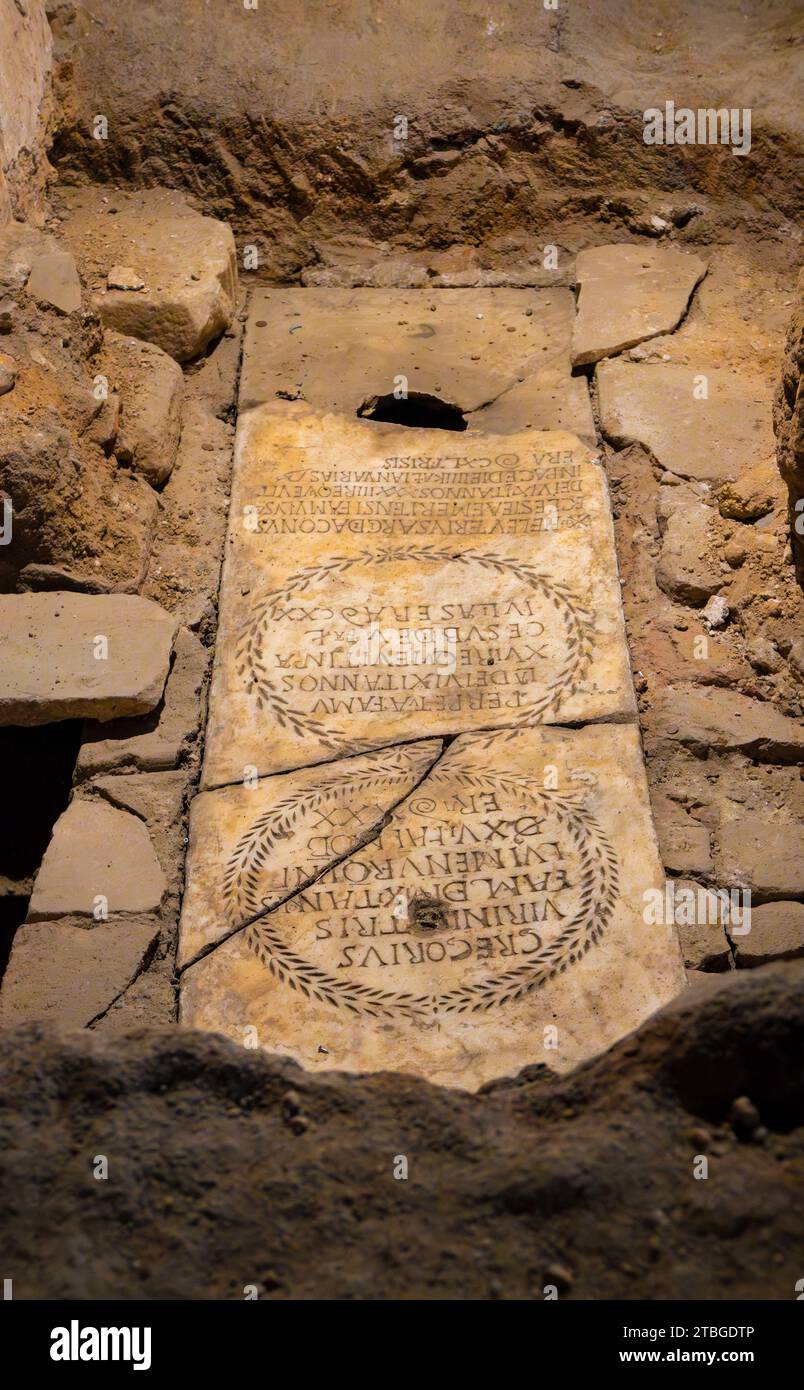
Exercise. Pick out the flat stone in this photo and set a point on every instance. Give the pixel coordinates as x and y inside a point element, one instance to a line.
<point>158,799</point>
<point>777,933</point>
<point>762,855</point>
<point>67,974</point>
<point>684,845</point>
<point>122,277</point>
<point>629,293</point>
<point>54,280</point>
<point>97,852</point>
<point>380,586</point>
<point>50,670</point>
<point>160,741</point>
<point>280,833</point>
<point>502,356</point>
<point>687,569</point>
<point>727,722</point>
<point>494,919</point>
<point>712,440</point>
<point>150,385</point>
<point>21,245</point>
<point>187,261</point>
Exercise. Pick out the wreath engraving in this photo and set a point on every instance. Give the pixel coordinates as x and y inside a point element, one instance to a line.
<point>598,891</point>
<point>255,673</point>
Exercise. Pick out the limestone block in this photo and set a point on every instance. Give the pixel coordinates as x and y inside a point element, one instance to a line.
<point>629,293</point>
<point>70,656</point>
<point>97,852</point>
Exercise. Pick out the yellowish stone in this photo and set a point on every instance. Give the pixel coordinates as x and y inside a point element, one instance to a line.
<point>383,584</point>
<point>275,835</point>
<point>495,918</point>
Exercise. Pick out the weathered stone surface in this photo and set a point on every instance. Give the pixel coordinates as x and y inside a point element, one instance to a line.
<point>21,245</point>
<point>54,281</point>
<point>501,356</point>
<point>686,568</point>
<point>50,669</point>
<point>252,846</point>
<point>97,852</point>
<point>149,384</point>
<point>158,799</point>
<point>70,974</point>
<point>727,722</point>
<point>372,594</point>
<point>762,855</point>
<point>629,293</point>
<point>684,844</point>
<point>26,57</point>
<point>788,420</point>
<point>159,741</point>
<point>755,493</point>
<point>713,440</point>
<point>187,261</point>
<point>495,919</point>
<point>701,935</point>
<point>777,933</point>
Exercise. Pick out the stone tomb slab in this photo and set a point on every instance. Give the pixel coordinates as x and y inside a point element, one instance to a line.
<point>502,356</point>
<point>383,585</point>
<point>494,918</point>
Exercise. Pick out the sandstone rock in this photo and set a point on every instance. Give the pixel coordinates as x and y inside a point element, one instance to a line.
<point>187,261</point>
<point>7,312</point>
<point>686,569</point>
<point>788,419</point>
<point>26,59</point>
<point>160,741</point>
<point>50,669</point>
<point>54,280</point>
<point>684,845</point>
<point>777,933</point>
<point>726,721</point>
<point>97,852</point>
<point>762,855</point>
<point>68,974</point>
<point>763,656</point>
<point>21,245</point>
<point>629,293</point>
<point>704,944</point>
<point>753,494</point>
<point>150,385</point>
<point>158,799</point>
<point>8,373</point>
<point>122,277</point>
<point>80,522</point>
<point>714,439</point>
<point>716,612</point>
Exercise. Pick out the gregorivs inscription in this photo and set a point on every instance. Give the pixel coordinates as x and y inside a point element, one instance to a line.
<point>486,887</point>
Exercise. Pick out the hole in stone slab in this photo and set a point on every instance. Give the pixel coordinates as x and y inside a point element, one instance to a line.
<point>417,410</point>
<point>425,913</point>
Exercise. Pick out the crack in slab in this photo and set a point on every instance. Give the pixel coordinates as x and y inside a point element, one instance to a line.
<point>367,837</point>
<point>147,957</point>
<point>614,717</point>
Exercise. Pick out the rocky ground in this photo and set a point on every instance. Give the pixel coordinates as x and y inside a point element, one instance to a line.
<point>120,343</point>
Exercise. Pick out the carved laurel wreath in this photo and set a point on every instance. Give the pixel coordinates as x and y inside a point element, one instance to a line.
<point>255,673</point>
<point>598,893</point>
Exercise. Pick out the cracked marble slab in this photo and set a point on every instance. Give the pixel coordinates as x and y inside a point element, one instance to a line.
<point>382,585</point>
<point>495,918</point>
